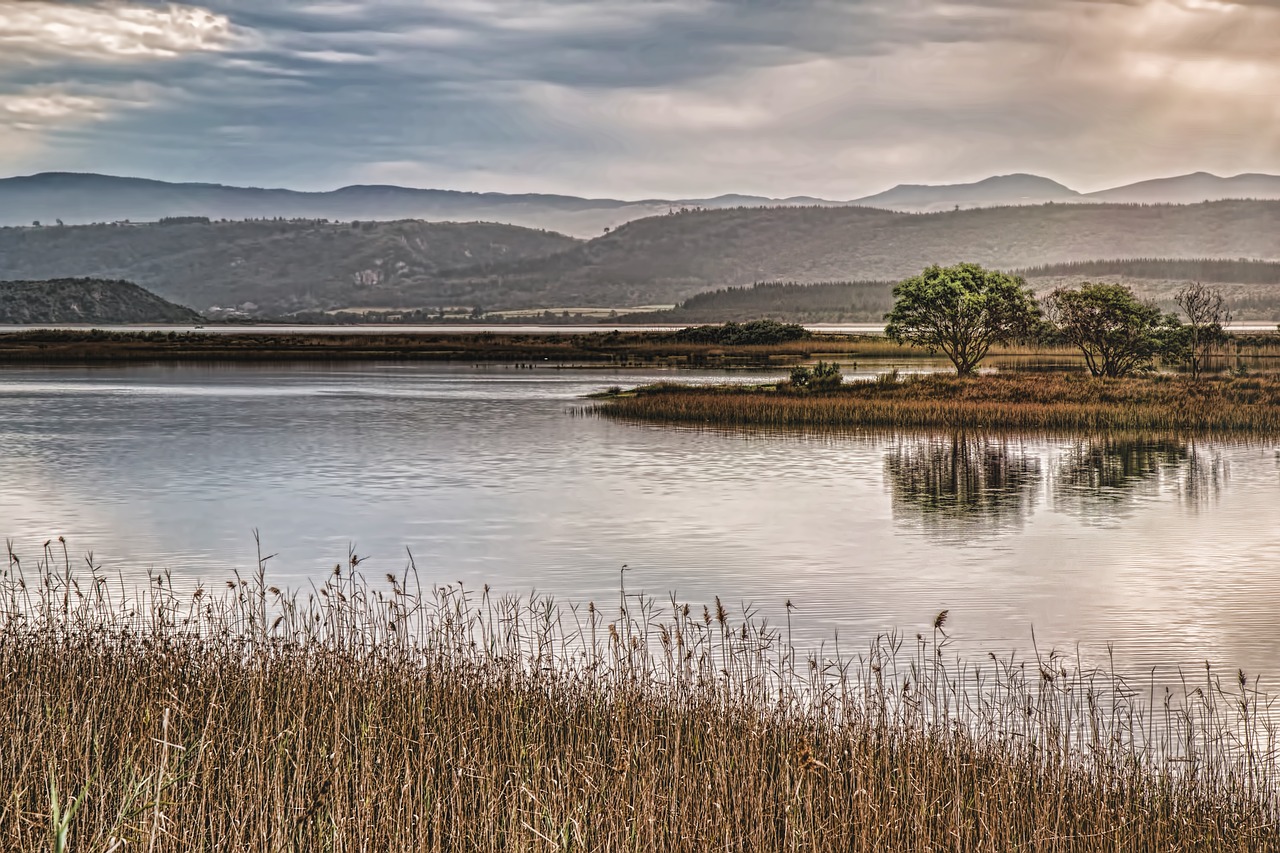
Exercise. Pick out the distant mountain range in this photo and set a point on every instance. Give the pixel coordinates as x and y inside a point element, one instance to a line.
<point>88,198</point>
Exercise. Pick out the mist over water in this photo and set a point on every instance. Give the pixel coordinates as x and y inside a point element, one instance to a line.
<point>1166,548</point>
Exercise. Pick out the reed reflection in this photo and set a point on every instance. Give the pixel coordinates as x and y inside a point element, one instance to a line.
<point>961,484</point>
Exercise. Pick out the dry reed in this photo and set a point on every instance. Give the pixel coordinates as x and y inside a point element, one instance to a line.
<point>360,718</point>
<point>1039,402</point>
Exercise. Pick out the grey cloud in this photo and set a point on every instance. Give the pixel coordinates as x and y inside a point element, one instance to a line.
<point>660,97</point>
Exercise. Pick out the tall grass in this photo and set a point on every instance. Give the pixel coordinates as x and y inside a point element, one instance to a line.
<point>385,717</point>
<point>1005,401</point>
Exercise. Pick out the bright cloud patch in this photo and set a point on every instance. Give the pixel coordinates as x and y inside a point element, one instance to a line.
<point>32,30</point>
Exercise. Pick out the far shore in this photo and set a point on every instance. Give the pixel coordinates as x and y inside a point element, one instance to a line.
<point>598,348</point>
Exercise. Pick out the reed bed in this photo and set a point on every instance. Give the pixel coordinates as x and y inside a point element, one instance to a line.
<point>382,717</point>
<point>1037,402</point>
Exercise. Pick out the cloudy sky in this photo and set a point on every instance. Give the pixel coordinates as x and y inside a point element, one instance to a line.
<point>636,98</point>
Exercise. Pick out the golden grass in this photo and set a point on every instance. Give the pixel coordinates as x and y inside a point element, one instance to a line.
<point>1039,402</point>
<point>380,719</point>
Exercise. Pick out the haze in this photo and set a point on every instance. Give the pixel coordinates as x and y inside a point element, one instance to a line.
<point>640,99</point>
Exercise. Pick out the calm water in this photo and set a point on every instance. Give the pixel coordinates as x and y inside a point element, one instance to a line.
<point>1169,550</point>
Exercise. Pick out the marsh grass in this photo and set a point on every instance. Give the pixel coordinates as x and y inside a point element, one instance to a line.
<point>382,716</point>
<point>1034,402</point>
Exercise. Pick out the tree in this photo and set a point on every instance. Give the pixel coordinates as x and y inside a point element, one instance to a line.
<point>1207,314</point>
<point>962,311</point>
<point>1117,333</point>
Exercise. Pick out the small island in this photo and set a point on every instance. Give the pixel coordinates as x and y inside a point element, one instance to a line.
<point>965,311</point>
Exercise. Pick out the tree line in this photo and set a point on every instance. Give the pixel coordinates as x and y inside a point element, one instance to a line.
<point>1243,271</point>
<point>964,310</point>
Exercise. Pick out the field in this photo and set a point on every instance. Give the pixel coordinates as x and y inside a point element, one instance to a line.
<point>383,717</point>
<point>1036,402</point>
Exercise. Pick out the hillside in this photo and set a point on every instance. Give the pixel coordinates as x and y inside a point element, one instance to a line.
<point>274,266</point>
<point>1251,288</point>
<point>85,300</point>
<point>667,259</point>
<point>279,267</point>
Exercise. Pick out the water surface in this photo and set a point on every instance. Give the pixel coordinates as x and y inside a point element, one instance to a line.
<point>1168,549</point>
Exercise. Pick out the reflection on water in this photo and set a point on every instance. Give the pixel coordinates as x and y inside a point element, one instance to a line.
<point>1103,479</point>
<point>959,485</point>
<point>485,477</point>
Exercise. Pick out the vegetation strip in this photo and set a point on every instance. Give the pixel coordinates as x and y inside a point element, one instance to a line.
<point>367,717</point>
<point>1052,402</point>
<point>752,344</point>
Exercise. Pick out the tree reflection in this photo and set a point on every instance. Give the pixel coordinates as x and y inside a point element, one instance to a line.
<point>1106,477</point>
<point>962,484</point>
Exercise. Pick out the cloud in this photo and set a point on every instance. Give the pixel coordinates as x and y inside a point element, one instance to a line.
<point>62,64</point>
<point>45,30</point>
<point>663,97</point>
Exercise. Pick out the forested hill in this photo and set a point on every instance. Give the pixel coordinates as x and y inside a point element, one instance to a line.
<point>1251,289</point>
<point>275,266</point>
<point>86,300</point>
<point>669,258</point>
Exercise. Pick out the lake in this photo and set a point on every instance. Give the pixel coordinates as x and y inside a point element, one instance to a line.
<point>1167,549</point>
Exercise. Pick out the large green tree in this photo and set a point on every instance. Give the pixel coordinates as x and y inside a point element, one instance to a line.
<point>962,311</point>
<point>1117,333</point>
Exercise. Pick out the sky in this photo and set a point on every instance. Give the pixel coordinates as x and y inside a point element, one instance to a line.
<point>640,98</point>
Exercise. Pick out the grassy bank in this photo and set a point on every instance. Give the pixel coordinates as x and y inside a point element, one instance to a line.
<point>1051,401</point>
<point>363,718</point>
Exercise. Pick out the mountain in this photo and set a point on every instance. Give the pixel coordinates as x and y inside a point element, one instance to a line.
<point>274,266</point>
<point>86,300</point>
<point>295,266</point>
<point>1192,189</point>
<point>997,191</point>
<point>87,198</point>
<point>666,259</point>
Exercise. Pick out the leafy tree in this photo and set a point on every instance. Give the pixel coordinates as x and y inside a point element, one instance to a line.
<point>1207,314</point>
<point>962,311</point>
<point>1117,333</point>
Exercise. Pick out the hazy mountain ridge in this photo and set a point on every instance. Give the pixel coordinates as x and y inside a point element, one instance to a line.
<point>1000,190</point>
<point>81,199</point>
<point>88,198</point>
<point>1189,189</point>
<point>296,266</point>
<point>86,300</point>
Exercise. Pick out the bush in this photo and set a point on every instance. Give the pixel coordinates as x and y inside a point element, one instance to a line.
<point>755,333</point>
<point>822,377</point>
